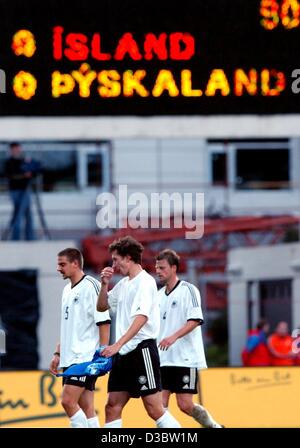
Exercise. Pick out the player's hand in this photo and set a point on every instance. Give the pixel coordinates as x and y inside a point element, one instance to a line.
<point>110,350</point>
<point>54,365</point>
<point>106,275</point>
<point>167,342</point>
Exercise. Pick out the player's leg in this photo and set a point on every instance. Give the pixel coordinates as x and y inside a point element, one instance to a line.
<point>165,398</point>
<point>184,382</point>
<point>198,412</point>
<point>118,394</point>
<point>155,409</point>
<point>86,402</point>
<point>202,416</point>
<point>114,407</point>
<point>185,403</point>
<point>166,387</point>
<point>147,384</point>
<point>69,400</point>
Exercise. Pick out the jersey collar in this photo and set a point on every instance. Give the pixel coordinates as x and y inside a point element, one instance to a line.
<point>78,281</point>
<point>168,293</point>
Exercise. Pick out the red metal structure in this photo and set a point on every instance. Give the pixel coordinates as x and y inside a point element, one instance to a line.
<point>220,235</point>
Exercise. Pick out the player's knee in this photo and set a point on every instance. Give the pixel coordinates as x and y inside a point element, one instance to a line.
<point>88,409</point>
<point>154,411</point>
<point>113,410</point>
<point>185,406</point>
<point>68,403</point>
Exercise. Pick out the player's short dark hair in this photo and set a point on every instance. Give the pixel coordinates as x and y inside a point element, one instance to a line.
<point>170,256</point>
<point>128,246</point>
<point>72,254</point>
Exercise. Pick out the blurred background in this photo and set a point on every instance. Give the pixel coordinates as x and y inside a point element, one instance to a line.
<point>158,99</point>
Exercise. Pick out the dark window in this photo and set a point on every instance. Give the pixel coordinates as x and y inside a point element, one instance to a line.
<point>59,169</point>
<point>219,168</point>
<point>94,170</point>
<point>19,312</point>
<point>275,301</point>
<point>262,169</point>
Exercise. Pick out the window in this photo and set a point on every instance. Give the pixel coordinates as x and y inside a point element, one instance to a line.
<point>94,167</point>
<point>263,169</point>
<point>219,168</point>
<point>276,301</point>
<point>65,166</point>
<point>58,169</point>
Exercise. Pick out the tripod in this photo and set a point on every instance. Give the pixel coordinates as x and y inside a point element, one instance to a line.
<point>33,185</point>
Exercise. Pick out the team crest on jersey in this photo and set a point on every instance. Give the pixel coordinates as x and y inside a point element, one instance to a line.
<point>186,379</point>
<point>76,298</point>
<point>174,304</point>
<point>142,379</point>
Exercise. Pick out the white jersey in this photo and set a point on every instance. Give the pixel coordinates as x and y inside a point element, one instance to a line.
<point>183,303</point>
<point>79,336</point>
<point>130,298</point>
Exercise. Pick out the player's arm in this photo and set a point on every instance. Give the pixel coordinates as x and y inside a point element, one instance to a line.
<point>104,332</point>
<point>55,360</point>
<point>134,328</point>
<point>184,330</point>
<point>102,301</point>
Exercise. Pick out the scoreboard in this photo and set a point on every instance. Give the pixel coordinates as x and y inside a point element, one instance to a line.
<point>130,57</point>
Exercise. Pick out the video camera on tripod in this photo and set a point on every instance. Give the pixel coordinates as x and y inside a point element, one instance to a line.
<point>32,166</point>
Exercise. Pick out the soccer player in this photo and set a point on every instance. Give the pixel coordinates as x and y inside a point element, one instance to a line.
<point>180,341</point>
<point>135,372</point>
<point>83,329</point>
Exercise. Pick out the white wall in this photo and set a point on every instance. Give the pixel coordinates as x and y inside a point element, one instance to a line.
<point>87,128</point>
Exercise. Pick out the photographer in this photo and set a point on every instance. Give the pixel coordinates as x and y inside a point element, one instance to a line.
<point>19,174</point>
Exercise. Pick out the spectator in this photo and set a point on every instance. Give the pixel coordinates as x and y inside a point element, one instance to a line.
<point>296,345</point>
<point>19,180</point>
<point>280,346</point>
<point>256,352</point>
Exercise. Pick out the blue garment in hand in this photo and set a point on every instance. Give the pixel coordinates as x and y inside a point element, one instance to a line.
<point>98,366</point>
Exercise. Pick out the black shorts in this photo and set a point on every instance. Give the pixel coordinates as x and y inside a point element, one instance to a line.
<point>138,372</point>
<point>87,381</point>
<point>180,380</point>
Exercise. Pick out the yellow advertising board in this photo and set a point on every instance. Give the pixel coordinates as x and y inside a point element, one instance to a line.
<point>32,399</point>
<point>256,397</point>
<point>236,397</point>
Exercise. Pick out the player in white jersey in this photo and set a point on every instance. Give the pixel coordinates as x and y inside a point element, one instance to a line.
<point>135,372</point>
<point>180,340</point>
<point>83,329</point>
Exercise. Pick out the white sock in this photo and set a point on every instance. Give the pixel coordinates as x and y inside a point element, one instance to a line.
<point>93,422</point>
<point>114,424</point>
<point>201,415</point>
<point>79,420</point>
<point>167,421</point>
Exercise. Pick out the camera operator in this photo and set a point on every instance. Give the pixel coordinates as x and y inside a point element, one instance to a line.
<point>19,173</point>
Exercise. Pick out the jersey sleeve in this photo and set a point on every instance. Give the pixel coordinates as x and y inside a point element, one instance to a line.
<point>100,317</point>
<point>144,299</point>
<point>193,303</point>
